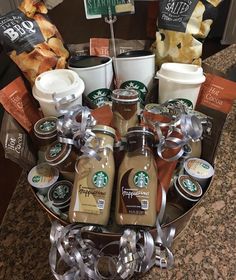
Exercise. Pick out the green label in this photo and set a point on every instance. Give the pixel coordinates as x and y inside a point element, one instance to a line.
<point>205,166</point>
<point>140,87</point>
<point>100,96</point>
<point>36,179</point>
<point>100,179</point>
<point>61,192</point>
<point>55,150</point>
<point>187,103</point>
<point>189,185</point>
<point>101,7</point>
<point>141,179</point>
<point>47,126</point>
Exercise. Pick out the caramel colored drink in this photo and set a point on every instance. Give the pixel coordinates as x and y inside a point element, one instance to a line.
<point>92,190</point>
<point>137,181</point>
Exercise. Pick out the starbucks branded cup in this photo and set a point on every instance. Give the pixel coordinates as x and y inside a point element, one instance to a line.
<point>97,74</point>
<point>135,69</point>
<point>180,81</point>
<point>55,87</point>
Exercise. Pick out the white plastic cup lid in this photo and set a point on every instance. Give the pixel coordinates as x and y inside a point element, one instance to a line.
<point>60,82</point>
<point>181,73</point>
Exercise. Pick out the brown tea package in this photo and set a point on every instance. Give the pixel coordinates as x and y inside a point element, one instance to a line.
<point>16,143</point>
<point>103,46</point>
<point>31,40</point>
<point>215,100</point>
<point>182,26</point>
<point>14,95</point>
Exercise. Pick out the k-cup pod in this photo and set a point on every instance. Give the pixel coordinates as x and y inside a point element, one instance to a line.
<point>135,69</point>
<point>60,193</point>
<point>185,191</point>
<point>61,155</point>
<point>199,169</point>
<point>42,177</point>
<point>60,87</point>
<point>180,81</point>
<point>97,74</point>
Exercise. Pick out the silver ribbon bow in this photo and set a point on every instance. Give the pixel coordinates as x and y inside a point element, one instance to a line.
<point>138,252</point>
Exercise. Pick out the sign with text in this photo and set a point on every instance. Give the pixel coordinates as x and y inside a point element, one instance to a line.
<point>98,8</point>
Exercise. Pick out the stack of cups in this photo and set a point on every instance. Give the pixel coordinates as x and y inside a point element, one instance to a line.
<point>136,70</point>
<point>180,81</point>
<point>97,74</point>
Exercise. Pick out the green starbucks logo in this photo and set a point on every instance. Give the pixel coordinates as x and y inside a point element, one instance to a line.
<point>140,87</point>
<point>205,166</point>
<point>47,126</point>
<point>100,179</point>
<point>100,96</point>
<point>61,192</point>
<point>189,185</point>
<point>55,150</point>
<point>185,102</point>
<point>36,179</point>
<point>141,179</point>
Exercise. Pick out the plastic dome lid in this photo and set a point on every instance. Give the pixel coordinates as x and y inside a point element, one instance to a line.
<point>181,73</point>
<point>60,82</point>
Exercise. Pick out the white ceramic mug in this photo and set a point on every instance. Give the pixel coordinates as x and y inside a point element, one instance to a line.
<point>135,69</point>
<point>57,85</point>
<point>97,74</point>
<point>180,81</point>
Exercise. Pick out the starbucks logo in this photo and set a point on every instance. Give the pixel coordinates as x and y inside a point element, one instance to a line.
<point>55,150</point>
<point>100,96</point>
<point>100,179</point>
<point>61,192</point>
<point>140,87</point>
<point>141,179</point>
<point>185,102</point>
<point>36,179</point>
<point>205,166</point>
<point>47,126</point>
<point>189,185</point>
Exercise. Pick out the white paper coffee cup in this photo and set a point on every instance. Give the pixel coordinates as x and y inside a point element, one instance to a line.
<point>135,69</point>
<point>179,81</point>
<point>97,74</point>
<point>55,85</point>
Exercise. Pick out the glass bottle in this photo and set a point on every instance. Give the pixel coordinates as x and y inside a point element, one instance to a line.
<point>125,109</point>
<point>136,197</point>
<point>92,190</point>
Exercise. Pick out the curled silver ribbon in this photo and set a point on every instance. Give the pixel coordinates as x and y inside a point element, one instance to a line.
<point>75,128</point>
<point>138,251</point>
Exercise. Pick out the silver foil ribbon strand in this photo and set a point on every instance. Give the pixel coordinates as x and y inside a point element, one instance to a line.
<point>75,128</point>
<point>138,251</point>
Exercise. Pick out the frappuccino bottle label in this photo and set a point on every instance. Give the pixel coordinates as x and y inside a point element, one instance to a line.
<point>89,199</point>
<point>135,195</point>
<point>100,96</point>
<point>140,87</point>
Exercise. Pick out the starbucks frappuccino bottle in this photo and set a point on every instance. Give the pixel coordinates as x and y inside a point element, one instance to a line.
<point>137,180</point>
<point>125,109</point>
<point>92,190</point>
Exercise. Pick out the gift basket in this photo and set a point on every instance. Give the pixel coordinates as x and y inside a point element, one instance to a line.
<point>118,162</point>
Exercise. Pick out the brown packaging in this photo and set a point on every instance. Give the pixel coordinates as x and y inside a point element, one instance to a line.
<point>16,143</point>
<point>215,100</point>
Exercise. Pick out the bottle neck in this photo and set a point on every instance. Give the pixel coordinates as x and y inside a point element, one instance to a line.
<point>140,143</point>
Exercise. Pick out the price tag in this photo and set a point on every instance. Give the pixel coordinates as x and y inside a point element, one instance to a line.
<point>98,8</point>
